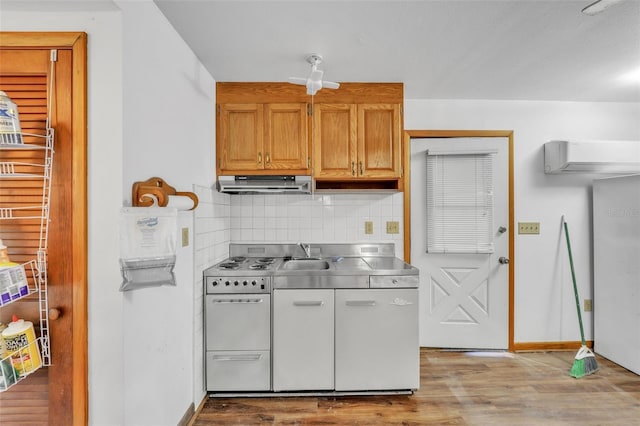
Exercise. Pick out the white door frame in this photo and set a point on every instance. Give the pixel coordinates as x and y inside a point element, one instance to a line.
<point>408,134</point>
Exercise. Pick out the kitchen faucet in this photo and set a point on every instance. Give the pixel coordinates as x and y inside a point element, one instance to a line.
<point>306,248</point>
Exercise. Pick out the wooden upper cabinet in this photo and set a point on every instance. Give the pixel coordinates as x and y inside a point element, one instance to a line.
<point>285,137</point>
<point>357,141</point>
<point>260,138</point>
<point>335,140</point>
<point>379,140</point>
<point>353,139</point>
<point>240,137</point>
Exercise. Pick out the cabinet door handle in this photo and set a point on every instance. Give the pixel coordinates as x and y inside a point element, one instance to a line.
<point>353,168</point>
<point>308,303</point>
<point>360,303</point>
<point>247,357</point>
<point>361,169</point>
<point>259,158</point>
<point>267,158</point>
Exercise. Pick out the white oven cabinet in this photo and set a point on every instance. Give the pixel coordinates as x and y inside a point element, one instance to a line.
<point>303,339</point>
<point>376,338</point>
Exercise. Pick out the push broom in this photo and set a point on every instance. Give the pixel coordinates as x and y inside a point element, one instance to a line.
<point>584,362</point>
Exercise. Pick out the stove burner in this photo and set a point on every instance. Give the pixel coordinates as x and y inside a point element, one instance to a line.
<point>259,266</point>
<point>229,265</point>
<point>265,260</point>
<point>238,259</point>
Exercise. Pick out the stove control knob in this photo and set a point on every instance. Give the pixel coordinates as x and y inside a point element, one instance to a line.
<point>227,283</point>
<point>235,283</point>
<point>244,283</point>
<point>215,283</point>
<point>253,282</point>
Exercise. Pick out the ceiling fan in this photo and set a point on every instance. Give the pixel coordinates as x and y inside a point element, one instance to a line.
<point>314,82</point>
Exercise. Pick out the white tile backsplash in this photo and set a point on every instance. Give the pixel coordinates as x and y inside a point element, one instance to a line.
<point>315,218</point>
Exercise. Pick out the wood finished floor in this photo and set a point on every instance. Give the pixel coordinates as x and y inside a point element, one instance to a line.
<point>459,389</point>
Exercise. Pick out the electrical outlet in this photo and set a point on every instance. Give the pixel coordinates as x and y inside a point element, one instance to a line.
<point>393,227</point>
<point>368,227</point>
<point>185,237</point>
<point>528,227</point>
<point>588,305</point>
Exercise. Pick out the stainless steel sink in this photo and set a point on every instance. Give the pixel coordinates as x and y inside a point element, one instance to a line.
<point>305,265</point>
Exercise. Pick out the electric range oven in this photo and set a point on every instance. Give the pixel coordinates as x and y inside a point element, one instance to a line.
<point>238,324</point>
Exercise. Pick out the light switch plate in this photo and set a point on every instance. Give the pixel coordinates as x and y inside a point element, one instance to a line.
<point>185,237</point>
<point>368,227</point>
<point>588,305</point>
<point>528,227</point>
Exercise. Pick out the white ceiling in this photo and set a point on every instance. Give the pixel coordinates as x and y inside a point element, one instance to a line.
<point>477,49</point>
<point>447,49</point>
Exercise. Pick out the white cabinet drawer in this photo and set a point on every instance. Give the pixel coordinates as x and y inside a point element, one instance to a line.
<point>238,371</point>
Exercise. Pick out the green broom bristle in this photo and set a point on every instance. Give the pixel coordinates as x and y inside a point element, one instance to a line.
<point>577,369</point>
<point>584,364</point>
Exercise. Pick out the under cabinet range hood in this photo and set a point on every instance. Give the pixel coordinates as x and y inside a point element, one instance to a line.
<point>264,184</point>
<point>621,157</point>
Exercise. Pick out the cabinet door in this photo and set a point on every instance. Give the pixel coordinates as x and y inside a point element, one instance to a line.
<point>335,140</point>
<point>240,137</point>
<point>379,140</point>
<point>303,345</point>
<point>377,344</point>
<point>285,136</point>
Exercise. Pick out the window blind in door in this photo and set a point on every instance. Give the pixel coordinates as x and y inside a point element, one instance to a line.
<point>459,202</point>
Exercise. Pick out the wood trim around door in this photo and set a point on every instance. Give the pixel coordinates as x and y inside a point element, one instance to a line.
<point>77,43</point>
<point>408,134</point>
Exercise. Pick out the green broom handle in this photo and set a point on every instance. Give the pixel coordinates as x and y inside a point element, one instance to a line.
<point>575,287</point>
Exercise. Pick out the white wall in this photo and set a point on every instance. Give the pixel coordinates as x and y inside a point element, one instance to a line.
<point>169,127</point>
<point>544,303</point>
<point>150,113</point>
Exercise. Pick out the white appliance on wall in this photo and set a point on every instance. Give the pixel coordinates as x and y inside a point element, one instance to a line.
<point>564,156</point>
<point>616,233</point>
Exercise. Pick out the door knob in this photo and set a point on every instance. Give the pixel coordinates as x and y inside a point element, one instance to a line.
<point>502,230</point>
<point>503,260</point>
<point>54,313</point>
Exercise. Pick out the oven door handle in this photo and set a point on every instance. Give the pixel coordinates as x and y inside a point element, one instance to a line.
<point>240,301</point>
<point>242,357</point>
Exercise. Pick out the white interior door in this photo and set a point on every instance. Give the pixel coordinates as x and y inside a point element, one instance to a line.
<point>464,297</point>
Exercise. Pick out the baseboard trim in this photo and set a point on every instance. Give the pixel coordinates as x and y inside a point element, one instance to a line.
<point>530,346</point>
<point>188,415</point>
<point>194,415</point>
<point>549,346</point>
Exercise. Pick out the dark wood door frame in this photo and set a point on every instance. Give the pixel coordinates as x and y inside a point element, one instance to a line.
<point>76,42</point>
<point>408,134</point>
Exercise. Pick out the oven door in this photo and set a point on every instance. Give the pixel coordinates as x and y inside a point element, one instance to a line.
<point>238,322</point>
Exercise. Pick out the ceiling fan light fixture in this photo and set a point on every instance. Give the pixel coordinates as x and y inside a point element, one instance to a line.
<point>599,6</point>
<point>314,82</point>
